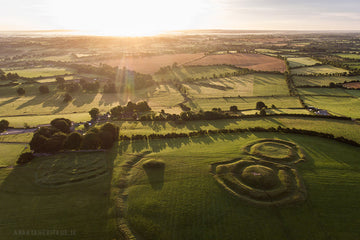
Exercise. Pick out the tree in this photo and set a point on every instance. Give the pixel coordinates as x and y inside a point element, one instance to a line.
<point>37,142</point>
<point>91,140</point>
<point>55,143</point>
<point>260,105</point>
<point>25,158</point>
<point>94,113</point>
<point>73,141</point>
<point>62,124</point>
<point>20,91</point>
<point>67,98</point>
<point>60,80</point>
<point>4,124</point>
<point>44,89</point>
<point>234,108</point>
<point>263,112</point>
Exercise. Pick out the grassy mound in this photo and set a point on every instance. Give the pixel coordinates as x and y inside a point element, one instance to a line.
<point>260,177</point>
<point>261,182</point>
<point>275,150</point>
<point>153,164</point>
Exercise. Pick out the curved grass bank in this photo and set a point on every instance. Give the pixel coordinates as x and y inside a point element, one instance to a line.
<point>186,202</point>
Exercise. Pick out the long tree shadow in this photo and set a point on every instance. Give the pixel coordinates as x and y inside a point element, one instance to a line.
<point>9,101</point>
<point>59,194</point>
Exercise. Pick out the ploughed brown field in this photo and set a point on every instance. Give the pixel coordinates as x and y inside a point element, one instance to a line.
<point>355,85</point>
<point>151,64</point>
<point>251,61</point>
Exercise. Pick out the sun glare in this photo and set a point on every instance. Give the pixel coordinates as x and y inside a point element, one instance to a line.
<point>130,18</point>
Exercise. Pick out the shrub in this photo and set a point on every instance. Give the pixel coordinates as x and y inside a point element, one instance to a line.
<point>44,89</point>
<point>94,113</point>
<point>62,124</point>
<point>91,140</point>
<point>73,141</point>
<point>233,108</point>
<point>4,124</point>
<point>260,105</point>
<point>25,158</point>
<point>20,91</point>
<point>67,97</point>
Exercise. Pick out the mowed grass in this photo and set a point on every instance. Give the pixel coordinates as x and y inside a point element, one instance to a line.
<point>168,204</point>
<point>301,62</point>
<point>196,72</point>
<point>247,85</point>
<point>40,72</point>
<point>81,210</point>
<point>339,106</point>
<point>158,97</point>
<point>323,69</point>
<point>244,103</point>
<point>10,153</point>
<point>322,80</point>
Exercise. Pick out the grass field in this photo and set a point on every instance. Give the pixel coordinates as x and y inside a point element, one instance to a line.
<point>321,80</point>
<point>349,55</point>
<point>10,153</point>
<point>301,62</point>
<point>340,106</point>
<point>152,64</point>
<point>161,97</point>
<point>33,121</point>
<point>40,72</point>
<point>348,129</point>
<point>251,61</point>
<point>329,92</point>
<point>83,210</point>
<point>247,85</point>
<point>184,72</point>
<point>22,137</point>
<point>52,80</point>
<point>166,203</point>
<point>323,69</point>
<point>244,103</point>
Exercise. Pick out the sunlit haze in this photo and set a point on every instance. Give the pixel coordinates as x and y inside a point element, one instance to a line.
<point>143,17</point>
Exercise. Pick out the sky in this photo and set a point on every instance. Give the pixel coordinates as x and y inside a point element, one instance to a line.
<point>147,17</point>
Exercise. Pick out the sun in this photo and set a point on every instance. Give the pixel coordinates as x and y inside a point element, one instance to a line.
<point>127,18</point>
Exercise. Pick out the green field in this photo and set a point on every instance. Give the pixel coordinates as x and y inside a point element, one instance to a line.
<point>340,106</point>
<point>195,72</point>
<point>35,120</point>
<point>301,62</point>
<point>329,91</point>
<point>244,103</point>
<point>349,56</point>
<point>247,85</point>
<point>17,138</point>
<point>166,203</point>
<point>10,153</point>
<point>52,80</point>
<point>40,72</point>
<point>322,80</point>
<point>323,69</point>
<point>92,198</point>
<point>160,97</point>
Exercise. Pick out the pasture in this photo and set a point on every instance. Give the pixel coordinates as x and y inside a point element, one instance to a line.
<point>244,103</point>
<point>9,154</point>
<point>246,85</point>
<point>160,97</point>
<point>252,61</point>
<point>166,203</point>
<point>39,72</point>
<point>323,69</point>
<point>349,56</point>
<point>322,80</point>
<point>152,64</point>
<point>301,62</point>
<point>339,106</point>
<point>196,72</point>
